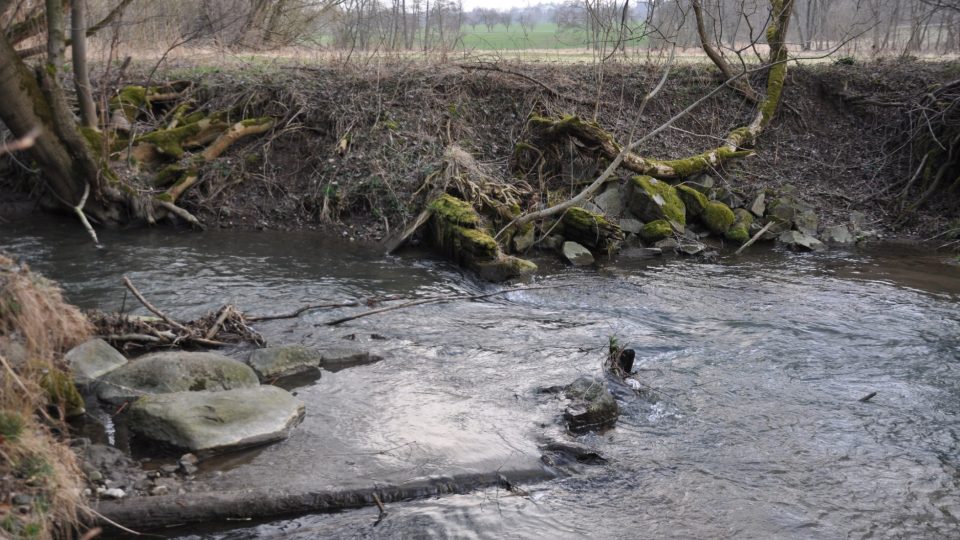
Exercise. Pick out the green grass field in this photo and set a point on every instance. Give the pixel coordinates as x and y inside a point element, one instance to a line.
<point>541,36</point>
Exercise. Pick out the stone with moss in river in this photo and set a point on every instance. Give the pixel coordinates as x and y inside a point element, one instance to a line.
<point>651,199</point>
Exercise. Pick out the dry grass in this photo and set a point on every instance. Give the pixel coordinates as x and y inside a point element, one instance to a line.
<point>39,476</point>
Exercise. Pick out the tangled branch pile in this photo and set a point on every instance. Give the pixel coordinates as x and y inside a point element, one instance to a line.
<point>931,122</point>
<point>135,333</point>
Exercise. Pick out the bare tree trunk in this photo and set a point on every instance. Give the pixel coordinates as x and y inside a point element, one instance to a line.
<point>55,30</point>
<point>81,73</point>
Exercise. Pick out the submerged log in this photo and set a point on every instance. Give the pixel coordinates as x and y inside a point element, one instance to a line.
<point>162,511</point>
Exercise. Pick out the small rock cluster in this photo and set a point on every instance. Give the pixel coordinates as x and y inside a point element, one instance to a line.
<point>201,402</point>
<point>652,217</point>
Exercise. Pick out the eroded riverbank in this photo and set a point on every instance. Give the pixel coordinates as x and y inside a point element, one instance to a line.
<point>757,362</point>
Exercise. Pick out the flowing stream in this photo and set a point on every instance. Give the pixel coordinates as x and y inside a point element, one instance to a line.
<point>753,427</point>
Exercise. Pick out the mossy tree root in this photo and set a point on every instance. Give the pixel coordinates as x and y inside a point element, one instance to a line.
<point>594,138</point>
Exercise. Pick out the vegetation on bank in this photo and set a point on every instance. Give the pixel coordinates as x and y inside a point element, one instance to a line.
<point>40,482</point>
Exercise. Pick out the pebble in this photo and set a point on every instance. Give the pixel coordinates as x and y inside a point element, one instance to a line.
<point>159,490</point>
<point>114,493</point>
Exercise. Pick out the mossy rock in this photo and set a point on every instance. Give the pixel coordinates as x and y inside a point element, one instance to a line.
<point>592,230</point>
<point>652,199</point>
<point>62,392</point>
<point>504,268</point>
<point>718,217</point>
<point>740,230</point>
<point>655,231</point>
<point>455,211</point>
<point>694,201</point>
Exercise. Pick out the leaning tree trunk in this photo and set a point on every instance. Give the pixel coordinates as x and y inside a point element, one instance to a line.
<point>65,162</point>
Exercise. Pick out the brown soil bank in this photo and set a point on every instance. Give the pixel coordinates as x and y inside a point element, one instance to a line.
<point>354,144</point>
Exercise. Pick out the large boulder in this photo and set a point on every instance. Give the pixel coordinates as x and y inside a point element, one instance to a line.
<point>717,217</point>
<point>93,359</point>
<point>694,201</point>
<point>211,422</point>
<point>610,201</point>
<point>592,405</point>
<point>179,371</point>
<point>652,199</point>
<point>273,362</point>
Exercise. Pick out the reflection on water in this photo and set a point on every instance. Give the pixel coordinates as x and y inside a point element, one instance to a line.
<point>757,363</point>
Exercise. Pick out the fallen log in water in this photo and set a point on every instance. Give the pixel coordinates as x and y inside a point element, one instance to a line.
<point>171,510</point>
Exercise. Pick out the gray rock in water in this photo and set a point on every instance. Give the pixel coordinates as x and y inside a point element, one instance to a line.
<point>577,254</point>
<point>667,244</point>
<point>837,234</point>
<point>212,422</point>
<point>630,225</point>
<point>342,358</point>
<point>179,371</point>
<point>93,359</point>
<point>691,248</point>
<point>640,253</point>
<point>800,241</point>
<point>554,242</point>
<point>593,406</point>
<point>282,361</point>
<point>610,202</point>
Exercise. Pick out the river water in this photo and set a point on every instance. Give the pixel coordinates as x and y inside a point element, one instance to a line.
<point>752,429</point>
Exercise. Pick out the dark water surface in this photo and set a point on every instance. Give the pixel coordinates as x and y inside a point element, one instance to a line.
<point>758,363</point>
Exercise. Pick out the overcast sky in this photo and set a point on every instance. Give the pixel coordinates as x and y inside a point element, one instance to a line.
<point>498,4</point>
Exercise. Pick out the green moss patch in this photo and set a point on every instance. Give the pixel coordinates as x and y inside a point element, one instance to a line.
<point>655,231</point>
<point>591,230</point>
<point>718,217</point>
<point>455,211</point>
<point>740,230</point>
<point>693,200</point>
<point>653,199</point>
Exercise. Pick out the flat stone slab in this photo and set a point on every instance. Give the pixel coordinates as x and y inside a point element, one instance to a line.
<point>283,361</point>
<point>179,371</point>
<point>800,241</point>
<point>211,422</point>
<point>335,359</point>
<point>93,359</point>
<point>577,254</point>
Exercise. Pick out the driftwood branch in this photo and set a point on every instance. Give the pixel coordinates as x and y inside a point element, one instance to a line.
<point>754,238</point>
<point>153,309</point>
<point>78,209</point>
<point>437,300</point>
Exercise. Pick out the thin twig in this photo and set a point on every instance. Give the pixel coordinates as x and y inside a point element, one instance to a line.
<point>153,309</point>
<point>754,238</point>
<point>437,300</point>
